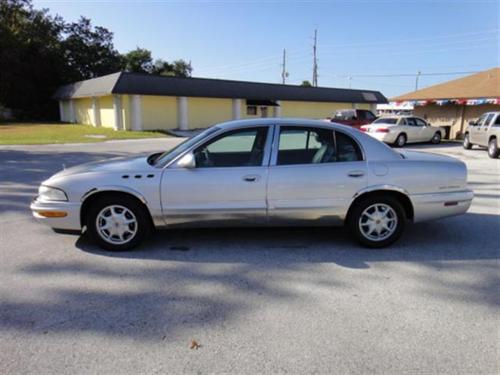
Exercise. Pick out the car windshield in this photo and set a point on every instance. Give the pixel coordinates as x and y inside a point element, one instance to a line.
<point>387,121</point>
<point>171,154</point>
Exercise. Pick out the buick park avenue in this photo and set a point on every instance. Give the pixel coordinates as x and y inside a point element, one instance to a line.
<point>266,172</point>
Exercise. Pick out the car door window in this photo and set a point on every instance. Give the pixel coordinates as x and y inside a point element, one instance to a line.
<point>306,145</point>
<point>411,121</point>
<point>238,148</point>
<point>497,121</point>
<point>366,115</point>
<point>420,122</point>
<point>488,119</point>
<point>402,122</point>
<point>347,148</point>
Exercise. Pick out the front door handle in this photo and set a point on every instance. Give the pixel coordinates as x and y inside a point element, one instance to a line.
<point>356,174</point>
<point>251,178</point>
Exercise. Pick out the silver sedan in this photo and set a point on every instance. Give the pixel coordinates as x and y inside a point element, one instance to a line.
<point>268,172</point>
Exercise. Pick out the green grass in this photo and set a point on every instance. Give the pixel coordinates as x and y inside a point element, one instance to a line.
<point>45,133</point>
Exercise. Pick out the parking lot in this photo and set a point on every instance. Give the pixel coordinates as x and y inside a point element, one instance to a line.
<point>256,300</point>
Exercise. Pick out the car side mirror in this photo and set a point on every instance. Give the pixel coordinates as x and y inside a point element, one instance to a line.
<point>187,161</point>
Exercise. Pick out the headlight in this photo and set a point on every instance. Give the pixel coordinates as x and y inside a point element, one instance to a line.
<point>51,194</point>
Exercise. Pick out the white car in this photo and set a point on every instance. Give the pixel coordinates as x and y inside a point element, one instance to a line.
<point>400,130</point>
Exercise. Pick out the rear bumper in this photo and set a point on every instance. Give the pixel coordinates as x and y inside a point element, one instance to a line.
<point>384,137</point>
<point>71,221</point>
<point>439,205</point>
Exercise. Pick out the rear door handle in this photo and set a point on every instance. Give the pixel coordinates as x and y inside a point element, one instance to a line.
<point>356,174</point>
<point>251,178</point>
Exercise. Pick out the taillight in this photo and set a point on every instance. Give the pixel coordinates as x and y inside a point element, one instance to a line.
<point>363,128</point>
<point>382,130</point>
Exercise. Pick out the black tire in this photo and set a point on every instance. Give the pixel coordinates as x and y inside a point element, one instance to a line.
<point>436,138</point>
<point>400,140</point>
<point>354,220</point>
<point>142,225</point>
<point>466,144</point>
<point>493,151</point>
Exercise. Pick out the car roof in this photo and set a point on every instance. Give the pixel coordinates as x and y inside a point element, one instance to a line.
<point>282,121</point>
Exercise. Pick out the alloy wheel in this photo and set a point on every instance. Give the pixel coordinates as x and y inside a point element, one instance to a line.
<point>116,224</point>
<point>378,222</point>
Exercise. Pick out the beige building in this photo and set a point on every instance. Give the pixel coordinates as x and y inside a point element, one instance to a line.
<point>454,103</point>
<point>133,101</point>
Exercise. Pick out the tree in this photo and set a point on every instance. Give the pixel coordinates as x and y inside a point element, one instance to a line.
<point>179,68</point>
<point>89,51</point>
<point>138,60</point>
<point>306,84</point>
<point>31,62</point>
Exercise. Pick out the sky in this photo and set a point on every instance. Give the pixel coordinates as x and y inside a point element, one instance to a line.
<point>361,44</point>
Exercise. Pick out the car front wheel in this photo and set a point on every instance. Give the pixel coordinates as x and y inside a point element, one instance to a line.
<point>467,145</point>
<point>377,221</point>
<point>493,151</point>
<point>117,223</point>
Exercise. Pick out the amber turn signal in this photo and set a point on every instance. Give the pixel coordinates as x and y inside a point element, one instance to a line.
<point>52,213</point>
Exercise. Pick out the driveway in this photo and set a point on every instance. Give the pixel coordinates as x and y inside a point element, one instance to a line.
<point>256,300</point>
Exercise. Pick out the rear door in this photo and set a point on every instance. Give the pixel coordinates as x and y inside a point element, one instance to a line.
<point>314,174</point>
<point>412,130</point>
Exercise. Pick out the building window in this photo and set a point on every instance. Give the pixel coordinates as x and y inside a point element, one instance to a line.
<point>251,110</point>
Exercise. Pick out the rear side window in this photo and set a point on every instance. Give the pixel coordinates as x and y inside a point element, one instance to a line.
<point>315,146</point>
<point>347,148</point>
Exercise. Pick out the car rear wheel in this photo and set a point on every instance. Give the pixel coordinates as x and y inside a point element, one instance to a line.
<point>377,221</point>
<point>400,140</point>
<point>467,145</point>
<point>436,138</point>
<point>117,224</point>
<point>493,151</point>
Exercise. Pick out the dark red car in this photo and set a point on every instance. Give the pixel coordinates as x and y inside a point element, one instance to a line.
<point>353,117</point>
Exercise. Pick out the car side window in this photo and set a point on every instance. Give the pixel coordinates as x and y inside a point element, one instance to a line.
<point>488,119</point>
<point>480,121</point>
<point>237,148</point>
<point>497,121</point>
<point>304,145</point>
<point>347,148</point>
<point>411,121</point>
<point>402,122</point>
<point>420,122</point>
<point>368,116</point>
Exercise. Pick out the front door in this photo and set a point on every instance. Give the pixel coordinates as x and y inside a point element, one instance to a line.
<point>313,176</point>
<point>227,185</point>
<point>475,131</point>
<point>482,131</point>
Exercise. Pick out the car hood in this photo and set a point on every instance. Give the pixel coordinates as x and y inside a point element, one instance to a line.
<point>121,164</point>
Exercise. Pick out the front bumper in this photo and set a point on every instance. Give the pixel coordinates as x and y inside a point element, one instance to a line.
<point>69,222</point>
<point>439,205</point>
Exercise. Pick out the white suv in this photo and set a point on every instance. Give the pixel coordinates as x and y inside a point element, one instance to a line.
<point>484,132</point>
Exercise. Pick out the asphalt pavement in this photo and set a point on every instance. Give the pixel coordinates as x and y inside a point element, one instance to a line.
<point>255,300</point>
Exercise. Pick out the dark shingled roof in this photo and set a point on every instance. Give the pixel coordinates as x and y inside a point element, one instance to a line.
<point>146,84</point>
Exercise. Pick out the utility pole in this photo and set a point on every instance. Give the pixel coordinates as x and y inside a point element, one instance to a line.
<point>416,79</point>
<point>315,62</point>
<point>349,77</point>
<point>284,73</point>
